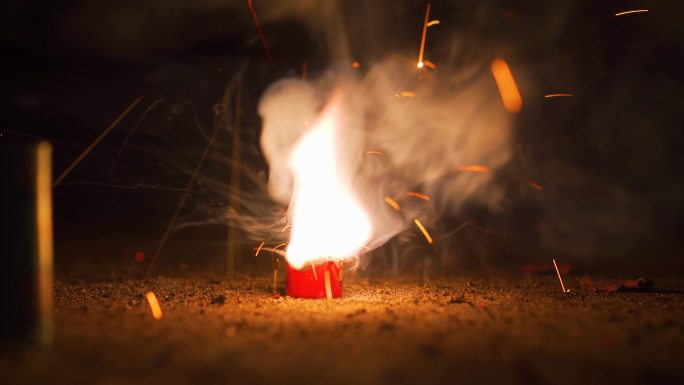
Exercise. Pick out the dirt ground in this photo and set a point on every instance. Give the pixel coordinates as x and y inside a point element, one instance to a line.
<point>513,329</point>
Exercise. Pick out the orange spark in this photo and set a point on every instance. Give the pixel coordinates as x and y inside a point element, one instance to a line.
<point>285,228</point>
<point>534,185</point>
<point>259,248</point>
<point>423,230</point>
<point>418,195</point>
<point>559,276</point>
<point>313,267</point>
<point>262,37</point>
<point>422,40</point>
<point>154,305</point>
<point>474,168</point>
<point>280,245</point>
<point>430,64</point>
<point>328,289</point>
<point>356,64</point>
<point>633,11</point>
<point>407,94</point>
<point>433,22</point>
<point>392,203</point>
<point>510,95</point>
<point>374,152</point>
<point>548,96</point>
<point>305,69</point>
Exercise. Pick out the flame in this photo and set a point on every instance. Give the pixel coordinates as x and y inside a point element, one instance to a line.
<point>328,224</point>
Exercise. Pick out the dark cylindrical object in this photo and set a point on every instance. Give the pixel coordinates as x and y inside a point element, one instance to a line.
<point>26,240</point>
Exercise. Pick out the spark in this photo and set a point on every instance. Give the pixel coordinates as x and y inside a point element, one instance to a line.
<point>262,37</point>
<point>510,95</point>
<point>374,152</point>
<point>423,230</point>
<point>418,195</point>
<point>534,185</point>
<point>328,289</point>
<point>97,140</point>
<point>154,305</point>
<point>430,64</point>
<point>433,22</point>
<point>313,268</point>
<point>559,276</point>
<point>633,11</point>
<point>407,94</point>
<point>280,245</point>
<point>356,64</point>
<point>285,228</point>
<point>422,40</point>
<point>548,96</point>
<point>392,203</point>
<point>259,248</point>
<point>474,168</point>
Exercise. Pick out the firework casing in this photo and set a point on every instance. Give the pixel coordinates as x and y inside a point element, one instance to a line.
<point>26,256</point>
<point>310,282</point>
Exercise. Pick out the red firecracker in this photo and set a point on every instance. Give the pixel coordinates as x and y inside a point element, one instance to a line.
<point>317,281</point>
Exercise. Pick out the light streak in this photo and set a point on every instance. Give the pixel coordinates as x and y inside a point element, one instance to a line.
<point>559,276</point>
<point>433,22</point>
<point>423,230</point>
<point>474,168</point>
<point>154,305</point>
<point>392,203</point>
<point>422,40</point>
<point>549,96</point>
<point>510,95</point>
<point>259,248</point>
<point>633,11</point>
<point>374,152</point>
<point>328,289</point>
<point>429,64</point>
<point>407,94</point>
<point>262,37</point>
<point>418,195</point>
<point>97,140</point>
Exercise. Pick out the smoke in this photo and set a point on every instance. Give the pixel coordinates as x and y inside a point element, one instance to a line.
<point>389,144</point>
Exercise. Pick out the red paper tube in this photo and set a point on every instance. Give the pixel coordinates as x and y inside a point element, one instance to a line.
<point>317,281</point>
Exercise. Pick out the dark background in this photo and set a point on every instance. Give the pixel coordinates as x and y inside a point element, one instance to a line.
<point>609,159</point>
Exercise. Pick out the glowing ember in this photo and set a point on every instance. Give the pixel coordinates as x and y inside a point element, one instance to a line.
<point>474,168</point>
<point>629,12</point>
<point>418,195</point>
<point>510,95</point>
<point>423,230</point>
<point>392,203</point>
<point>407,94</point>
<point>356,64</point>
<point>328,224</point>
<point>154,305</point>
<point>548,96</point>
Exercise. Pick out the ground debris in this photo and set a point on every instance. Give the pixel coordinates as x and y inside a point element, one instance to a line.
<point>623,286</point>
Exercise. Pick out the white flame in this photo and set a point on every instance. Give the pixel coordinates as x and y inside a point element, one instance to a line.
<point>328,223</point>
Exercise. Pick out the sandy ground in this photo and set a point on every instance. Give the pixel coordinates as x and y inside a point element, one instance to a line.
<point>467,330</point>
